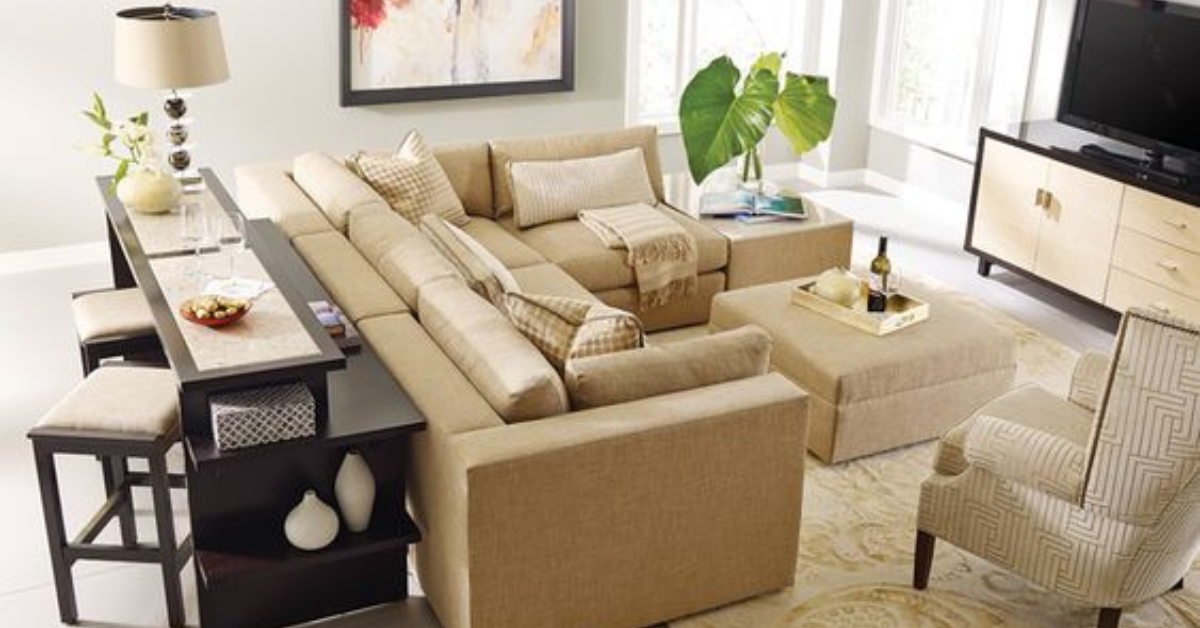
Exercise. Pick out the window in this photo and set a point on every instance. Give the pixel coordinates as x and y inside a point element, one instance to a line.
<point>944,68</point>
<point>669,40</point>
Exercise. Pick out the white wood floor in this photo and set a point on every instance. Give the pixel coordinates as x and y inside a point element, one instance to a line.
<point>40,363</point>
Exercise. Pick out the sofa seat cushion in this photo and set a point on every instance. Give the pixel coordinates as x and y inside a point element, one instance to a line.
<point>573,146</point>
<point>614,378</point>
<point>333,187</point>
<point>546,278</point>
<point>510,373</point>
<point>566,329</point>
<point>412,181</point>
<point>578,251</point>
<point>1029,406</point>
<point>351,281</point>
<point>511,252</point>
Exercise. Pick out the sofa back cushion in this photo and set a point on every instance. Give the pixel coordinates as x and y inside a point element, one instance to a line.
<point>613,378</point>
<point>484,274</point>
<point>506,368</point>
<point>333,187</point>
<point>468,166</point>
<point>576,146</point>
<point>404,257</point>
<point>549,191</point>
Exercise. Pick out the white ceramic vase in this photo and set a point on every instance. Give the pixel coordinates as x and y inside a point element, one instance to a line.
<point>355,491</point>
<point>149,191</point>
<point>312,524</point>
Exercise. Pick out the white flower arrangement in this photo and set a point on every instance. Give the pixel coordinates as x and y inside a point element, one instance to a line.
<point>133,134</point>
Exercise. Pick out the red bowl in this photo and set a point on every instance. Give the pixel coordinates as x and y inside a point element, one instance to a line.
<point>187,312</point>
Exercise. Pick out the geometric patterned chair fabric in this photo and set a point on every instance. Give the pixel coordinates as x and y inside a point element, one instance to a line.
<point>1110,519</point>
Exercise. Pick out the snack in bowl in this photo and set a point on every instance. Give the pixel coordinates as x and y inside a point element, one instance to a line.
<point>214,310</point>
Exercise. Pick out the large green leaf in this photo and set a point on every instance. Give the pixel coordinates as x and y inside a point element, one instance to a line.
<point>805,110</point>
<point>719,124</point>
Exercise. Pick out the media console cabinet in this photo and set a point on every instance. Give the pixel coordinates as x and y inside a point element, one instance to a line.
<point>1103,235</point>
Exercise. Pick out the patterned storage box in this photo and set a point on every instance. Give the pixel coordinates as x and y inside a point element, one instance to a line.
<point>262,415</point>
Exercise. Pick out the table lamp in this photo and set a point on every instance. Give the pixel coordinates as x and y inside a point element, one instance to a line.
<point>171,48</point>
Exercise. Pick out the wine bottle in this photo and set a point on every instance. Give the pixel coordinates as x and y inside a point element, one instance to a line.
<point>881,267</point>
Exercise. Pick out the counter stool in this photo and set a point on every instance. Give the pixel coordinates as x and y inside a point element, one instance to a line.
<point>113,323</point>
<point>118,412</point>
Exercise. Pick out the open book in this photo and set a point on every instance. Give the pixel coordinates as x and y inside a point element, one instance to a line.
<point>741,204</point>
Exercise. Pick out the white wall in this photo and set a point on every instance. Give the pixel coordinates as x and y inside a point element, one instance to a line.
<point>281,100</point>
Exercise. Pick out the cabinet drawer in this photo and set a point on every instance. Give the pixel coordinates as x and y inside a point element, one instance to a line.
<point>1168,266</point>
<point>1126,290</point>
<point>1162,218</point>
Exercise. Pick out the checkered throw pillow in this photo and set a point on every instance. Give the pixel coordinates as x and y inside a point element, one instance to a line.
<point>411,181</point>
<point>564,329</point>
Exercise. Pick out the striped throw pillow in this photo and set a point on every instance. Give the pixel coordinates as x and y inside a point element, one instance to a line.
<point>564,329</point>
<point>549,191</point>
<point>411,181</point>
<point>484,274</point>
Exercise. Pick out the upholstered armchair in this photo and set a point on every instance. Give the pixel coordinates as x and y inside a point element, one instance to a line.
<point>1095,497</point>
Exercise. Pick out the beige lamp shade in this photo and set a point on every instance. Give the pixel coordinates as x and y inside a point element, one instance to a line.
<point>169,47</point>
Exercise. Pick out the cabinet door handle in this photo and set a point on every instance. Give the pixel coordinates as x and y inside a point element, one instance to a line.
<point>1039,199</point>
<point>1167,264</point>
<point>1178,224</point>
<point>1048,200</point>
<point>1161,307</point>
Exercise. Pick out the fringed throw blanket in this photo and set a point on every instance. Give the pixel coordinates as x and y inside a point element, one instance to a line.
<point>661,252</point>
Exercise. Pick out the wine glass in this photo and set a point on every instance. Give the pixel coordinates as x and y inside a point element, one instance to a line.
<point>195,230</point>
<point>233,240</point>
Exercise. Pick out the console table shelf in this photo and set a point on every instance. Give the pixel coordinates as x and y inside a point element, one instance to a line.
<point>268,556</point>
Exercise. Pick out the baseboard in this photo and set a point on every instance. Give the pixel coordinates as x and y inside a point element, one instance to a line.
<point>49,258</point>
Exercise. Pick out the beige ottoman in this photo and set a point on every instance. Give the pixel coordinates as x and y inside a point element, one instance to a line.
<point>867,393</point>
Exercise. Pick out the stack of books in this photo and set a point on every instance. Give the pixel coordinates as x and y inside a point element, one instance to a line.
<point>337,324</point>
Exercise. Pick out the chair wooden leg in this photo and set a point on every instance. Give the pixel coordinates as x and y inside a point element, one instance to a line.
<point>115,469</point>
<point>56,534</point>
<point>1109,618</point>
<point>923,559</point>
<point>160,485</point>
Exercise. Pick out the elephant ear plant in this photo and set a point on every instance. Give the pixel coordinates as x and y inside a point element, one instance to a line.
<point>721,119</point>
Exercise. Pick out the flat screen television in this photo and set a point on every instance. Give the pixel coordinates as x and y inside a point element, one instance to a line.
<point>1133,74</point>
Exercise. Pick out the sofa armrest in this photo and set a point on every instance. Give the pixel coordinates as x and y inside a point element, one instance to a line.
<point>268,191</point>
<point>1089,378</point>
<point>599,514</point>
<point>1041,461</point>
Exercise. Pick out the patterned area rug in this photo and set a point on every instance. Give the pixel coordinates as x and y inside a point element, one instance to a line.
<point>856,546</point>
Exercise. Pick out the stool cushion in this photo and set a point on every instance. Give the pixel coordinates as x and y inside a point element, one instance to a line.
<point>122,399</point>
<point>112,313</point>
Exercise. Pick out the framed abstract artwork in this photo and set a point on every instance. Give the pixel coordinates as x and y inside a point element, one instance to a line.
<point>408,50</point>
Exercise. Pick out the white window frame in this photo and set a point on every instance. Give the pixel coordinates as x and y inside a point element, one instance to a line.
<point>961,142</point>
<point>686,65</point>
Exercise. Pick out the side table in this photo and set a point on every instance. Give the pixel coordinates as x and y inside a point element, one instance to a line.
<point>767,252</point>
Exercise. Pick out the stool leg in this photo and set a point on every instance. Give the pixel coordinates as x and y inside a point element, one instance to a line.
<point>115,469</point>
<point>160,485</point>
<point>56,534</point>
<point>87,360</point>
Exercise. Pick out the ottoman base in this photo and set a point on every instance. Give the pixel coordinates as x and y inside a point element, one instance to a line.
<point>840,433</point>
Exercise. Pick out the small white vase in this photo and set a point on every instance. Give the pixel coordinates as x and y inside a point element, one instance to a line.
<point>355,491</point>
<point>312,524</point>
<point>149,191</point>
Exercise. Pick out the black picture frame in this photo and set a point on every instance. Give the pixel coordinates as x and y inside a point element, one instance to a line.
<point>350,97</point>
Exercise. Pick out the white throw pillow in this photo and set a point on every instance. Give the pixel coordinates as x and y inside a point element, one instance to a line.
<point>549,191</point>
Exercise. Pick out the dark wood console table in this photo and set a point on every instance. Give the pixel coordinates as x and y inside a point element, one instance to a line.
<point>247,575</point>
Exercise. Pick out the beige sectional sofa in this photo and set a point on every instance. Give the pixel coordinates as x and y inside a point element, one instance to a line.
<point>617,516</point>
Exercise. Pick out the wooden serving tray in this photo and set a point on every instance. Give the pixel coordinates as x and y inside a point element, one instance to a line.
<point>902,310</point>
